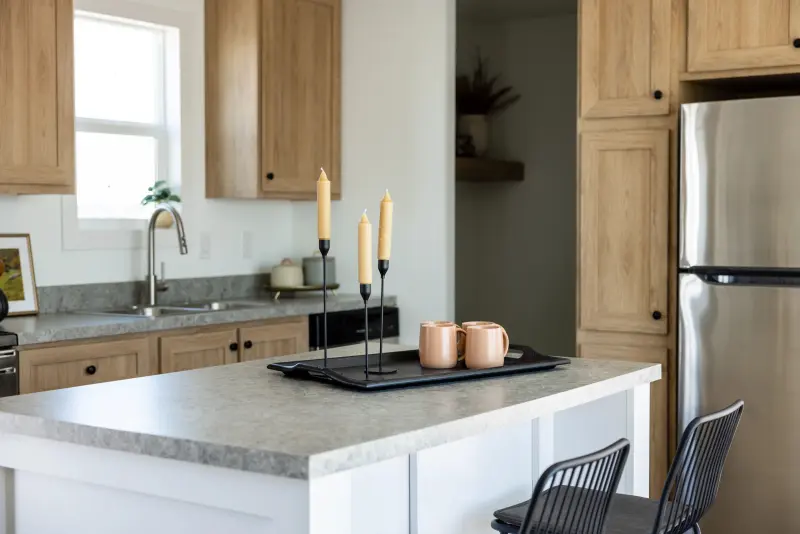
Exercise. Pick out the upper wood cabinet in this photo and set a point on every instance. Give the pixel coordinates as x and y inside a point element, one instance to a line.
<point>273,339</point>
<point>742,34</point>
<point>80,364</point>
<point>37,114</point>
<point>624,199</point>
<point>198,348</point>
<point>272,97</point>
<point>624,57</point>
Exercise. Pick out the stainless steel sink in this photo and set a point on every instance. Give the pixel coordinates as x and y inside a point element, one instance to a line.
<point>150,311</point>
<point>227,306</point>
<point>183,309</point>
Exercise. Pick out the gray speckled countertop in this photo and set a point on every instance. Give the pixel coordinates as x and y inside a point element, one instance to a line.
<point>244,416</point>
<point>52,327</point>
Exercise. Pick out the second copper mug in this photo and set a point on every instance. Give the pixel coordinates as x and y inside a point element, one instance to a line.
<point>487,346</point>
<point>438,344</point>
<point>462,344</point>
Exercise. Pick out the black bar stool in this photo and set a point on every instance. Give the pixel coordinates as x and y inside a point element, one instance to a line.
<point>692,485</point>
<point>573,496</point>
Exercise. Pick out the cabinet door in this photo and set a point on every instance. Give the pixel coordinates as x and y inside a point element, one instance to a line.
<point>659,403</point>
<point>64,366</point>
<point>37,143</point>
<point>742,34</point>
<point>279,338</point>
<point>194,349</point>
<point>624,231</point>
<point>624,57</point>
<point>300,90</point>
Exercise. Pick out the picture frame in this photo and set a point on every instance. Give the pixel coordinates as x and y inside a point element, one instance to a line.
<point>17,276</point>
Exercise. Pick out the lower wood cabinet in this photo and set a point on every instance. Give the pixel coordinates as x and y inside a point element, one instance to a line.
<point>197,348</point>
<point>659,402</point>
<point>80,364</point>
<point>275,339</point>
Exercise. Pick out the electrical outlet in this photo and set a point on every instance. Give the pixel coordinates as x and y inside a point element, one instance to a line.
<point>247,245</point>
<point>205,246</point>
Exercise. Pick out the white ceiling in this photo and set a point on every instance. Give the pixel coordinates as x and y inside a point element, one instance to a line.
<point>511,9</point>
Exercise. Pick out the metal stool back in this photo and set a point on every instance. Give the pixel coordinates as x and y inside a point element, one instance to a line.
<point>573,496</point>
<point>695,474</point>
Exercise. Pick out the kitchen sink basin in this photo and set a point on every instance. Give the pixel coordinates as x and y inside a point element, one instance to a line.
<point>151,311</point>
<point>183,309</point>
<point>226,306</point>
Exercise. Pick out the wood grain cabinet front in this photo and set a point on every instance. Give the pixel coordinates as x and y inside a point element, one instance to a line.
<point>198,348</point>
<point>624,232</point>
<point>742,34</point>
<point>624,58</point>
<point>274,339</point>
<point>37,114</point>
<point>80,364</point>
<point>272,97</point>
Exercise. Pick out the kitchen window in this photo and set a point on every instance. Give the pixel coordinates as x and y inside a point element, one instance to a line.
<point>122,137</point>
<point>127,120</point>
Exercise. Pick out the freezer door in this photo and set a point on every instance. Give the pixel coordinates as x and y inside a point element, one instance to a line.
<point>743,342</point>
<point>740,184</point>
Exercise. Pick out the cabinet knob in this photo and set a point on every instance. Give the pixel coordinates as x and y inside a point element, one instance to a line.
<point>270,176</point>
<point>234,347</point>
<point>658,94</point>
<point>248,344</point>
<point>657,315</point>
<point>91,370</point>
<point>796,43</point>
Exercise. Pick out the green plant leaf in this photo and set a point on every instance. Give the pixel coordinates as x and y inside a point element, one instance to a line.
<point>174,198</point>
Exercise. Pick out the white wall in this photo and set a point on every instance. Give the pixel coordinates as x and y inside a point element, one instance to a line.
<point>224,221</point>
<point>515,242</point>
<point>398,133</point>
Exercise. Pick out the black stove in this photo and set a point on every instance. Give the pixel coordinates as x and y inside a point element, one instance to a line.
<point>7,340</point>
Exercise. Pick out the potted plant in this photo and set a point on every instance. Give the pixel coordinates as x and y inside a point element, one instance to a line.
<point>158,193</point>
<point>477,99</point>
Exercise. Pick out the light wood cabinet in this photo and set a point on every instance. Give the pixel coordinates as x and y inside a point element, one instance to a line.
<point>274,339</point>
<point>624,58</point>
<point>624,232</point>
<point>742,34</point>
<point>272,97</point>
<point>80,364</point>
<point>659,403</point>
<point>198,348</point>
<point>37,130</point>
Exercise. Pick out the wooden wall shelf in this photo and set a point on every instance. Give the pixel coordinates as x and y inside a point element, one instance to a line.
<point>488,170</point>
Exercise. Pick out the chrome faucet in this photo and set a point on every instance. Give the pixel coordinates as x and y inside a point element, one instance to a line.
<point>152,282</point>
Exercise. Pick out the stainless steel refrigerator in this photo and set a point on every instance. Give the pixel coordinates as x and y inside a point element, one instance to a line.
<point>739,300</point>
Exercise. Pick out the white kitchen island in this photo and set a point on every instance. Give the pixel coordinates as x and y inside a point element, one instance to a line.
<point>240,449</point>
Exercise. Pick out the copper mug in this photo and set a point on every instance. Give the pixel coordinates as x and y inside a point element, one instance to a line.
<point>438,344</point>
<point>462,345</point>
<point>486,347</point>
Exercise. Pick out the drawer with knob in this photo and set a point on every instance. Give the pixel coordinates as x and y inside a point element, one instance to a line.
<point>81,364</point>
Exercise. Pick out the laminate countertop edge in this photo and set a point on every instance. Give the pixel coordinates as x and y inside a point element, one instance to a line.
<point>246,417</point>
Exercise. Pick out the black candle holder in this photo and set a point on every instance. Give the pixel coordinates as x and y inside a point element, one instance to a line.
<point>383,268</point>
<point>324,247</point>
<point>366,291</point>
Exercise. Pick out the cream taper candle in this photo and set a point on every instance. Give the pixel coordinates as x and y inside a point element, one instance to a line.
<point>364,250</point>
<point>323,206</point>
<point>385,228</point>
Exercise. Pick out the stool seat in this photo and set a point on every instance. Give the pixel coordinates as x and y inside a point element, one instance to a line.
<point>627,515</point>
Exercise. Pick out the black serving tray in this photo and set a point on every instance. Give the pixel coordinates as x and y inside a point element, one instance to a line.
<point>349,373</point>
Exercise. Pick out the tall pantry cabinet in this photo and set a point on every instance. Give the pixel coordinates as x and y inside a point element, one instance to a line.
<point>624,143</point>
